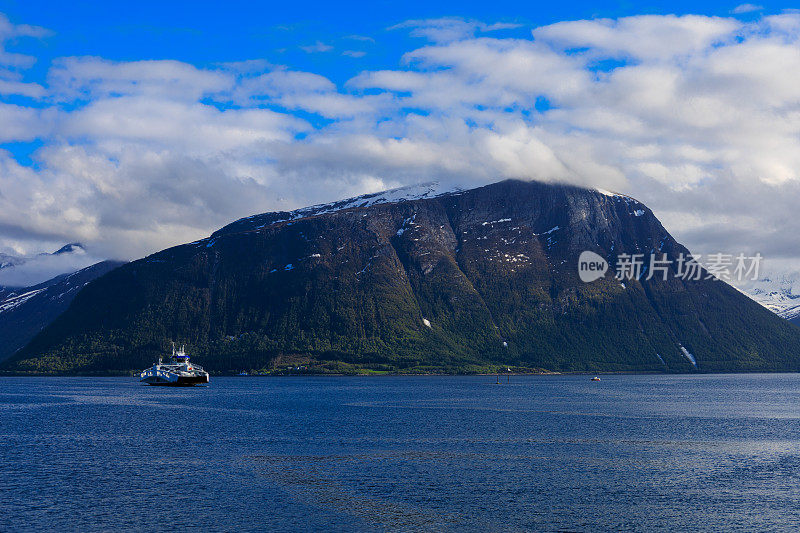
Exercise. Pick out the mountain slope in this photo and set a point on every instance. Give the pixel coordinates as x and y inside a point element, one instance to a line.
<point>465,281</point>
<point>25,312</point>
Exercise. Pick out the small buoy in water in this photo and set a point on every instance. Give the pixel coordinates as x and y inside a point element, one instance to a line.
<point>595,378</point>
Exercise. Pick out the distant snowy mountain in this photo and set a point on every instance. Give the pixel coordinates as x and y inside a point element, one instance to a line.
<point>11,260</point>
<point>24,312</point>
<point>8,260</point>
<point>71,248</point>
<point>777,291</point>
<point>33,269</point>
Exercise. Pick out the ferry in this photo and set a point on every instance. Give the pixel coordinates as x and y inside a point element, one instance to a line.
<point>178,371</point>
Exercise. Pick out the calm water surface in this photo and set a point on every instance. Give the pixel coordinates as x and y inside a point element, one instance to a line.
<point>545,453</point>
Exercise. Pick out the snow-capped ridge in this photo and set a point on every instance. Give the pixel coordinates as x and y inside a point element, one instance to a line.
<point>419,191</point>
<point>391,196</point>
<point>619,197</point>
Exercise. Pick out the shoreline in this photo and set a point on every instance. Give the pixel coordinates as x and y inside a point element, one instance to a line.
<point>401,374</point>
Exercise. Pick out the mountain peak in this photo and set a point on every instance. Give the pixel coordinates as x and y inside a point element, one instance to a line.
<point>71,248</point>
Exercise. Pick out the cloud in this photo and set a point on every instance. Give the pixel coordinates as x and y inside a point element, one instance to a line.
<point>354,53</point>
<point>11,64</point>
<point>21,123</point>
<point>746,8</point>
<point>91,77</point>
<point>32,90</point>
<point>317,47</point>
<point>644,37</point>
<point>448,29</point>
<point>364,38</point>
<point>302,91</point>
<point>281,81</point>
<point>699,117</point>
<point>8,30</point>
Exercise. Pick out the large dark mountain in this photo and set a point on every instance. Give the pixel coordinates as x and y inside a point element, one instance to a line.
<point>25,312</point>
<point>468,281</point>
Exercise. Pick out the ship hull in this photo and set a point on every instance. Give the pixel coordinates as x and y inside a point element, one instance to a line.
<point>188,381</point>
<point>181,381</point>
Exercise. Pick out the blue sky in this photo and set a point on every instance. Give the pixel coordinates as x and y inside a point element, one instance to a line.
<point>204,33</point>
<point>134,126</point>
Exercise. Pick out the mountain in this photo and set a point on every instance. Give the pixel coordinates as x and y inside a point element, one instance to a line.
<point>779,291</point>
<point>463,281</point>
<point>8,260</point>
<point>33,269</point>
<point>71,248</point>
<point>25,312</point>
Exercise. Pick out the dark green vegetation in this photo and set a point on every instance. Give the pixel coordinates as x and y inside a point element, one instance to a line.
<point>349,291</point>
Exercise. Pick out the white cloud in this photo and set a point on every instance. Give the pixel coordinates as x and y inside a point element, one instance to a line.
<point>448,29</point>
<point>364,38</point>
<point>746,8</point>
<point>20,123</point>
<point>8,30</point>
<point>13,86</point>
<point>11,63</point>
<point>644,37</point>
<point>11,32</point>
<point>302,91</point>
<point>91,77</point>
<point>697,116</point>
<point>317,47</point>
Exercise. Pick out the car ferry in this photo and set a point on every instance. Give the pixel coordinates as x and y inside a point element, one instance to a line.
<point>178,371</point>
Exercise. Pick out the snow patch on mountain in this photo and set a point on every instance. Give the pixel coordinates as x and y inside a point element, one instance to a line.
<point>687,355</point>
<point>496,222</point>
<point>607,193</point>
<point>619,197</point>
<point>15,300</point>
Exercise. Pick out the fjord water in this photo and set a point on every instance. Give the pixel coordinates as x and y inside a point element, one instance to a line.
<point>631,452</point>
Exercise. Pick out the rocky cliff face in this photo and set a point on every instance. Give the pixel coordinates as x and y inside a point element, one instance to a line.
<point>466,281</point>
